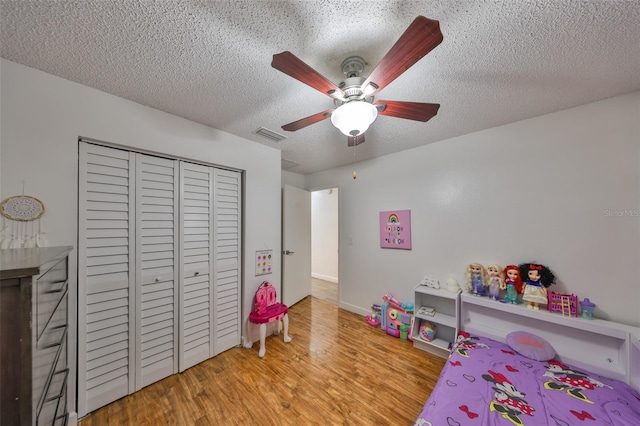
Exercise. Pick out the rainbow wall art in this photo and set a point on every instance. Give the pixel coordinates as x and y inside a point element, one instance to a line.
<point>395,229</point>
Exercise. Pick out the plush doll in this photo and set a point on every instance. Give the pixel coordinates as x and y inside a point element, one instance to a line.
<point>537,279</point>
<point>513,284</point>
<point>476,279</point>
<point>496,281</point>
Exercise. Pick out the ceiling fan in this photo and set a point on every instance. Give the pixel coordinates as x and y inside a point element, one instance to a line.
<point>354,97</point>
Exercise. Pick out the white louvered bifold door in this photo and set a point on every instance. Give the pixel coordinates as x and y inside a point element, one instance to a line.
<point>226,253</point>
<point>196,301</point>
<point>105,278</point>
<point>157,266</point>
<point>159,282</point>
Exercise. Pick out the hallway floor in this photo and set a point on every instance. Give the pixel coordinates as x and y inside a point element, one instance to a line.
<point>324,290</point>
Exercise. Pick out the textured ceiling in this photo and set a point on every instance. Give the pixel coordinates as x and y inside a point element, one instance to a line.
<point>209,61</point>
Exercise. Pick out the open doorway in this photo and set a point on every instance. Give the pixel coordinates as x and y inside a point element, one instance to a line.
<point>324,245</point>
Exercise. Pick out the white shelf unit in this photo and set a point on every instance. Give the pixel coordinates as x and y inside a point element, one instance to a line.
<point>634,358</point>
<point>600,346</point>
<point>446,305</point>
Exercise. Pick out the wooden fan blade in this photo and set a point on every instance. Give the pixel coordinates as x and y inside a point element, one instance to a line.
<point>291,65</point>
<point>410,110</point>
<point>307,121</point>
<point>418,39</point>
<point>355,140</point>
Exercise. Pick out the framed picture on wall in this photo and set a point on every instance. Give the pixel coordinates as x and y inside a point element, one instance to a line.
<point>264,262</point>
<point>395,229</point>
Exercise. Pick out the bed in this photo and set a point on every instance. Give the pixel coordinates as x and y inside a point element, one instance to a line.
<point>486,381</point>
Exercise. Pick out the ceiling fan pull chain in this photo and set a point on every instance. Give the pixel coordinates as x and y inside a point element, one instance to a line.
<point>355,175</point>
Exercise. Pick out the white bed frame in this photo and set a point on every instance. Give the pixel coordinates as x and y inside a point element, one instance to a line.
<point>603,347</point>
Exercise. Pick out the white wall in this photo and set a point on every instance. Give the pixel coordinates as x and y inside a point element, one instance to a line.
<point>562,189</point>
<point>324,234</point>
<point>42,118</point>
<point>293,179</point>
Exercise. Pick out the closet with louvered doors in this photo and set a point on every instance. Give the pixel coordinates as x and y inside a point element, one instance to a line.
<point>158,269</point>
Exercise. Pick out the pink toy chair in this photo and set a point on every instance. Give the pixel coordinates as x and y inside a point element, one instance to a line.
<point>267,310</point>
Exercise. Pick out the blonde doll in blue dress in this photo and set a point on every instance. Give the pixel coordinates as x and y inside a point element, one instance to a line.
<point>477,279</point>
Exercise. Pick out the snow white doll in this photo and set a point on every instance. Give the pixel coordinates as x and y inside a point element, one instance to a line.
<point>538,278</point>
<point>513,284</point>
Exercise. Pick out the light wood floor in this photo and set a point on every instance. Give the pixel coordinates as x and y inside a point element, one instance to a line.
<point>324,290</point>
<point>337,370</point>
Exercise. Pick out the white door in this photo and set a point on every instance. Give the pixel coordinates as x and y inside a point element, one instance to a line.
<point>196,265</point>
<point>296,244</point>
<point>106,264</point>
<point>157,269</point>
<point>227,255</point>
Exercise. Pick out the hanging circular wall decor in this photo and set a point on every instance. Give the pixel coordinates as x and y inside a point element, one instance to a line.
<point>22,208</point>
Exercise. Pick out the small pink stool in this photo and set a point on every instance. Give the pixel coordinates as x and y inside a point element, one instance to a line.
<point>267,310</point>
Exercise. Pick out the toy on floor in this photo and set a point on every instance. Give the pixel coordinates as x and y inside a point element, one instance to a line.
<point>392,300</point>
<point>267,309</point>
<point>404,332</point>
<point>376,314</point>
<point>395,314</point>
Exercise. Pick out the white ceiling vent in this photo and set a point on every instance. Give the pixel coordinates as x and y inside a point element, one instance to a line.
<point>286,164</point>
<point>269,134</point>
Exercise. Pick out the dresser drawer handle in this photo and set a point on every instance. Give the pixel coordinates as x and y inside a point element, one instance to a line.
<point>197,273</point>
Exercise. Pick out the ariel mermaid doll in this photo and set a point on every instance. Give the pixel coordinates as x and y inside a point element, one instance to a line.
<point>513,283</point>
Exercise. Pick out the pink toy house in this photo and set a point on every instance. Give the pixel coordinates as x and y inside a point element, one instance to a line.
<point>566,304</point>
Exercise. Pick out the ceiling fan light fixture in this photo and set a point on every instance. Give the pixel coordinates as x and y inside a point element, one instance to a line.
<point>354,118</point>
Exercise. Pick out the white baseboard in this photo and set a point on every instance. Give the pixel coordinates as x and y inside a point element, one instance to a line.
<point>355,309</point>
<point>324,277</point>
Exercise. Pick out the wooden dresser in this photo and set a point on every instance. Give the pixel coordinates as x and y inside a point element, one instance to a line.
<point>33,336</point>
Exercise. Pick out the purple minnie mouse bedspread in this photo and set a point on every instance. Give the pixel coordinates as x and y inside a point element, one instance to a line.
<point>485,382</point>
